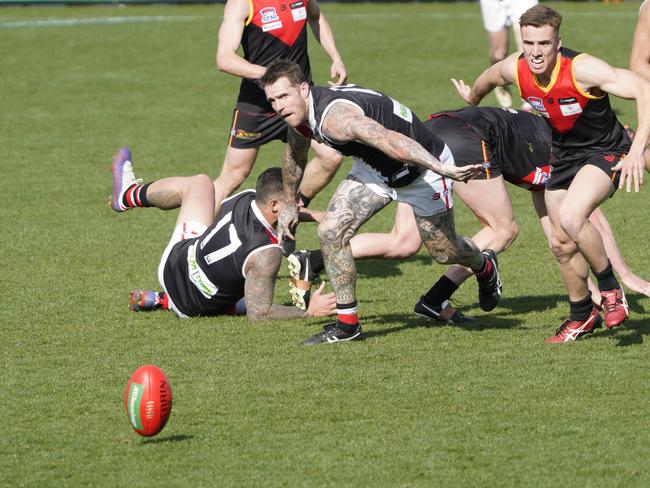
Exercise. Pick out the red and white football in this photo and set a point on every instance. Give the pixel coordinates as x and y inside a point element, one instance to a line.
<point>148,400</point>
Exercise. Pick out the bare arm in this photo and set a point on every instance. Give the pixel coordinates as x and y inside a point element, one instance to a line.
<point>593,73</point>
<point>499,74</point>
<point>324,35</point>
<point>640,55</point>
<point>629,279</point>
<point>345,122</point>
<point>261,273</point>
<point>295,160</point>
<point>231,30</point>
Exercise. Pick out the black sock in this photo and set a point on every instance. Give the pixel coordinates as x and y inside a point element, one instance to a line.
<point>441,291</point>
<point>606,279</point>
<point>486,269</point>
<point>136,196</point>
<point>305,200</point>
<point>316,261</point>
<point>580,310</point>
<point>143,195</point>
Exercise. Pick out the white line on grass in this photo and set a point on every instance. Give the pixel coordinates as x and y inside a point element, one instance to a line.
<point>95,21</point>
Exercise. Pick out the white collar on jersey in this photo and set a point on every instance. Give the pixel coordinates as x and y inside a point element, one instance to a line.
<point>310,114</point>
<point>261,218</point>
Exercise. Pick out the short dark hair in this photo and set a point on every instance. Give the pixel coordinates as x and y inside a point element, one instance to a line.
<point>283,68</point>
<point>541,15</point>
<point>269,185</point>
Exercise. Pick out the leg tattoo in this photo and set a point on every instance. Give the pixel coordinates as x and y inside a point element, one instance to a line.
<point>439,236</point>
<point>353,204</point>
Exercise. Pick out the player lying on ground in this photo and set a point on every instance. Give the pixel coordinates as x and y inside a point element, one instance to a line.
<point>515,147</point>
<point>396,158</point>
<point>214,266</point>
<point>592,154</point>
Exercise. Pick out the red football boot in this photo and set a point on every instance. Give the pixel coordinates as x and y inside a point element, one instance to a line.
<point>570,330</point>
<point>614,306</point>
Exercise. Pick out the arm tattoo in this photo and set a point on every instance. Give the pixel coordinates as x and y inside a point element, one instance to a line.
<point>295,160</point>
<point>439,236</point>
<point>345,122</point>
<point>261,273</point>
<point>165,199</point>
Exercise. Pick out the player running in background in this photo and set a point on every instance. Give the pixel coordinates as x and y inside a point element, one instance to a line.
<point>211,266</point>
<point>498,15</point>
<point>396,158</point>
<point>571,91</point>
<point>269,30</point>
<point>514,147</point>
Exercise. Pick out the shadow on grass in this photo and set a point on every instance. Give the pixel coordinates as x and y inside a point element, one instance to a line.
<point>409,321</point>
<point>384,268</point>
<point>631,333</point>
<point>169,438</point>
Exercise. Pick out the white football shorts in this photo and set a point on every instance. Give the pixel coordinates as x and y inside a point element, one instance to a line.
<point>186,230</point>
<point>499,14</point>
<point>429,194</point>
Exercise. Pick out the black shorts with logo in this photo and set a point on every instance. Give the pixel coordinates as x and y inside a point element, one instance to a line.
<point>466,143</point>
<point>563,172</point>
<point>253,126</point>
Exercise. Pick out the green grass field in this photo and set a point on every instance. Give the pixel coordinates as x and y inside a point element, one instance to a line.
<point>491,405</point>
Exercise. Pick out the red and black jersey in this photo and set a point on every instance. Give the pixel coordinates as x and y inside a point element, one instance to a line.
<point>508,142</point>
<point>581,123</point>
<point>388,112</point>
<point>275,29</point>
<point>205,275</point>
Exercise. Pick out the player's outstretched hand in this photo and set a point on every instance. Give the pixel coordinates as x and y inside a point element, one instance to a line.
<point>287,220</point>
<point>463,173</point>
<point>632,170</point>
<point>463,90</point>
<point>321,305</point>
<point>338,73</point>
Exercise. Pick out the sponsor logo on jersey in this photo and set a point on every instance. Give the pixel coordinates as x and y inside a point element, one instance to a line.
<point>567,101</point>
<point>299,13</point>
<point>246,136</point>
<point>270,19</point>
<point>402,111</point>
<point>537,103</point>
<point>296,5</point>
<point>571,109</point>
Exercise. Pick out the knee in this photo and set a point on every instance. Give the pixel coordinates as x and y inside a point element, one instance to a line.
<point>507,235</point>
<point>571,223</point>
<point>498,53</point>
<point>332,236</point>
<point>562,248</point>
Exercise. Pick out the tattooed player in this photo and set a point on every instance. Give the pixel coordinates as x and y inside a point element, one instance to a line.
<point>396,158</point>
<point>214,267</point>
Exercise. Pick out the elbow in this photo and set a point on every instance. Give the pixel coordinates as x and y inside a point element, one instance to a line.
<point>221,66</point>
<point>255,316</point>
